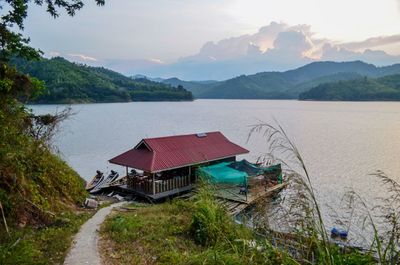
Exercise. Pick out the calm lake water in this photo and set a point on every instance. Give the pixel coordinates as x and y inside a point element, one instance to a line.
<point>341,142</point>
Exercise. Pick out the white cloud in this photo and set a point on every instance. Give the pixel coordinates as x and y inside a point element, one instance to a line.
<point>275,47</point>
<point>377,57</point>
<point>52,54</point>
<point>82,57</point>
<point>372,42</point>
<point>155,60</point>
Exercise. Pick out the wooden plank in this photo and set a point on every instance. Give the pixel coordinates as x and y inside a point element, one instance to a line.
<point>234,204</point>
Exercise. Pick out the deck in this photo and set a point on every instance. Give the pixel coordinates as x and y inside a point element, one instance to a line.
<point>156,196</point>
<point>234,202</point>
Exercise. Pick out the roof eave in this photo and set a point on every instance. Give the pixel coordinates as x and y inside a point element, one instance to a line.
<point>193,164</point>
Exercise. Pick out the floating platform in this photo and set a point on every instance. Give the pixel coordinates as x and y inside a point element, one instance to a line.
<point>234,202</point>
<point>157,196</point>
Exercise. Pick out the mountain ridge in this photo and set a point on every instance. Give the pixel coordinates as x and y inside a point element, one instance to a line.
<point>69,82</point>
<point>284,85</point>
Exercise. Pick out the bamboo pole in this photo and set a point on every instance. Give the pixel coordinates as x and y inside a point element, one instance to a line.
<point>4,220</point>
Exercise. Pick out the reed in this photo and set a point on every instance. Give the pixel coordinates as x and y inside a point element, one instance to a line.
<point>304,235</point>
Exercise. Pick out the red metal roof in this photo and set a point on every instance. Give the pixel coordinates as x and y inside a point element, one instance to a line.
<point>158,154</point>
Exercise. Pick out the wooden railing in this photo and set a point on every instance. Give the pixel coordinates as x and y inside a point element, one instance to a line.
<point>146,185</point>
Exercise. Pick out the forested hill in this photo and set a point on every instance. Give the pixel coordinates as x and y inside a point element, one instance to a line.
<point>362,89</point>
<point>285,85</point>
<point>69,82</point>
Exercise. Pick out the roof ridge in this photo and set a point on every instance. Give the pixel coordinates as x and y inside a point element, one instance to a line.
<point>180,135</point>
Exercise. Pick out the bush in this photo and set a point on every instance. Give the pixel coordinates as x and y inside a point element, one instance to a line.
<point>210,224</point>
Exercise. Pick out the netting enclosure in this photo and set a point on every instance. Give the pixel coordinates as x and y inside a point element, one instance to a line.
<point>239,172</point>
<point>222,173</point>
<point>241,180</point>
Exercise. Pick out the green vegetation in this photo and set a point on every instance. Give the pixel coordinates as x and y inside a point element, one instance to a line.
<point>47,245</point>
<point>199,231</point>
<point>38,191</point>
<point>384,88</point>
<point>182,232</point>
<point>284,85</point>
<point>68,82</point>
<point>196,87</point>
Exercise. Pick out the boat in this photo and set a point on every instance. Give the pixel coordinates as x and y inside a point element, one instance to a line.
<point>105,182</point>
<point>95,181</point>
<point>122,180</point>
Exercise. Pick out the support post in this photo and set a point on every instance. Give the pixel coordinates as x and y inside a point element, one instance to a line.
<point>126,171</point>
<point>247,186</point>
<point>154,184</point>
<point>190,173</point>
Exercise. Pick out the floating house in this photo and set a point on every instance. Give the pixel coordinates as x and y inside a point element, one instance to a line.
<point>160,167</point>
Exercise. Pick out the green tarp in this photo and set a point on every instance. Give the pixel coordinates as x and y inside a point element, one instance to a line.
<point>238,172</point>
<point>223,173</point>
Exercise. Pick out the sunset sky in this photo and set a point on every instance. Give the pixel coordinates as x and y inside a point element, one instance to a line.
<point>140,34</point>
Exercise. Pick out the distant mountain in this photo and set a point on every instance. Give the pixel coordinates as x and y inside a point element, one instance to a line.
<point>289,84</point>
<point>196,87</point>
<point>383,88</point>
<point>68,82</point>
<point>155,79</point>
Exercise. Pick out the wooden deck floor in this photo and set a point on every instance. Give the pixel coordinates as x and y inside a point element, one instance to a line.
<point>157,196</point>
<point>235,202</point>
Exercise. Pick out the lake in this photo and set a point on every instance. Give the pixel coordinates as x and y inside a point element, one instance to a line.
<point>341,142</point>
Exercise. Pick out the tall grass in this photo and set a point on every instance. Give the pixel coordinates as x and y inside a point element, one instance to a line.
<point>227,242</point>
<point>304,215</point>
<point>306,238</point>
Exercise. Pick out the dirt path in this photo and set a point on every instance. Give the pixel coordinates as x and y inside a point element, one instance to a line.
<point>85,250</point>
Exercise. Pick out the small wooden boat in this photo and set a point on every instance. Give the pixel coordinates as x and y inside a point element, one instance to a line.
<point>95,181</point>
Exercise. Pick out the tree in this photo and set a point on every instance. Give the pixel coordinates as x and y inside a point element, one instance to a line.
<point>26,162</point>
<point>13,85</point>
<point>15,44</point>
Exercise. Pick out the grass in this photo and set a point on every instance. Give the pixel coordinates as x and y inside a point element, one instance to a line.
<point>151,234</point>
<point>183,232</point>
<point>201,232</point>
<point>47,245</point>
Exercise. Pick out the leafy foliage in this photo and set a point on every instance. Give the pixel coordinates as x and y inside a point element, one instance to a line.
<point>384,88</point>
<point>33,182</point>
<point>12,43</point>
<point>210,222</point>
<point>71,83</point>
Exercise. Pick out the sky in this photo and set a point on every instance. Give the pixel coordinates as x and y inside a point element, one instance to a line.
<point>218,39</point>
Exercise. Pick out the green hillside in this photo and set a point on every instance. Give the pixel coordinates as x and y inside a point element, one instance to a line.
<point>196,87</point>
<point>289,84</point>
<point>383,88</point>
<point>68,82</point>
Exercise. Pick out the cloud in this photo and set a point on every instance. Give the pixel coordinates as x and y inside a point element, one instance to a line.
<point>234,47</point>
<point>294,42</point>
<point>82,57</point>
<point>377,57</point>
<point>155,60</point>
<point>275,47</point>
<point>372,42</point>
<point>52,54</point>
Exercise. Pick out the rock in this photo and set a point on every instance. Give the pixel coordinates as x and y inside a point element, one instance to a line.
<point>91,203</point>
